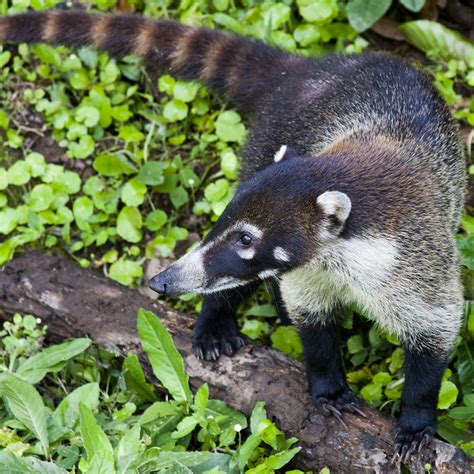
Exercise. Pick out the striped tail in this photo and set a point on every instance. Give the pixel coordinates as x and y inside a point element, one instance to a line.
<point>240,69</point>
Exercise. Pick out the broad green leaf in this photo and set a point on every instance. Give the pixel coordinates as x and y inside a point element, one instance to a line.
<point>36,367</point>
<point>447,395</point>
<point>19,173</point>
<point>151,173</point>
<point>318,11</point>
<point>185,426</point>
<point>258,415</point>
<point>41,197</point>
<point>185,91</point>
<point>27,406</point>
<point>83,208</point>
<point>135,378</point>
<point>133,193</point>
<point>155,220</point>
<point>362,14</point>
<point>88,115</point>
<point>225,416</point>
<point>125,271</point>
<point>95,440</point>
<point>243,454</point>
<point>200,400</point>
<point>129,447</point>
<point>3,178</point>
<point>413,5</point>
<point>11,464</point>
<point>155,460</point>
<point>165,360</point>
<point>161,410</point>
<point>287,340</point>
<point>130,133</point>
<point>229,127</point>
<point>229,164</point>
<point>216,191</point>
<point>129,223</point>
<point>175,110</point>
<point>37,164</point>
<point>113,165</point>
<point>67,412</point>
<point>430,36</point>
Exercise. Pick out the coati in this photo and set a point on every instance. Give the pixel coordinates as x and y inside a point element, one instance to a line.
<point>352,186</point>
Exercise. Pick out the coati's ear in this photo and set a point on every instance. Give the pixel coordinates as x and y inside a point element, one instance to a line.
<point>337,207</point>
<point>284,153</point>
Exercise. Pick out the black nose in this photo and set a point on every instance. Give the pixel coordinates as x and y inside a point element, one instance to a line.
<point>161,283</point>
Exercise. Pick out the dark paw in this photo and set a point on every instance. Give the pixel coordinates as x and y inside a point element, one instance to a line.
<point>336,404</point>
<point>408,441</point>
<point>210,342</point>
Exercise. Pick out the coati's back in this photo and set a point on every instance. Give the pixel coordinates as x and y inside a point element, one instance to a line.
<point>373,100</point>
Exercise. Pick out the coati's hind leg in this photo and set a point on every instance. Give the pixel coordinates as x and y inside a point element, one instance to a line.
<point>216,331</point>
<point>417,424</point>
<point>328,387</point>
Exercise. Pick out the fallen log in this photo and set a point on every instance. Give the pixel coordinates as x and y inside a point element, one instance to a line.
<point>75,302</point>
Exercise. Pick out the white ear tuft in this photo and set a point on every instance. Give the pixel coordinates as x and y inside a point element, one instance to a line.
<point>280,153</point>
<point>335,203</point>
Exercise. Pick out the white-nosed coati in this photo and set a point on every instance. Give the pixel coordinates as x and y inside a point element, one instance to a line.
<point>352,187</point>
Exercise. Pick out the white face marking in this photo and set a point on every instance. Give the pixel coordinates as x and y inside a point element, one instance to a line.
<point>335,203</point>
<point>246,254</point>
<point>267,274</point>
<point>280,153</point>
<point>281,254</point>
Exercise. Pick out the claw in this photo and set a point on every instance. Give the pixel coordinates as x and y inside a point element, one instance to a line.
<point>425,440</point>
<point>355,408</point>
<point>396,454</point>
<point>336,413</point>
<point>409,451</point>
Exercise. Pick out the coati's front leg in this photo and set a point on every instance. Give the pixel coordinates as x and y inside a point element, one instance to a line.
<point>424,368</point>
<point>216,331</point>
<point>328,387</point>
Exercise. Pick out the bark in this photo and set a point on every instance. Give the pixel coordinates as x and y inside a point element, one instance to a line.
<point>76,302</point>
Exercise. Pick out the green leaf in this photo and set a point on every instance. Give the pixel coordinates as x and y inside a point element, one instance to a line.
<point>165,360</point>
<point>216,191</point>
<point>179,196</point>
<point>125,271</point>
<point>130,133</point>
<point>135,378</point>
<point>318,11</point>
<point>161,410</point>
<point>95,440</point>
<point>229,164</point>
<point>156,460</point>
<point>113,165</point>
<point>185,91</point>
<point>133,193</point>
<point>155,220</point>
<point>286,339</point>
<point>130,445</point>
<point>67,412</point>
<point>88,115</point>
<point>447,395</point>
<point>129,223</point>
<point>19,173</point>
<point>225,416</point>
<point>229,127</point>
<point>36,367</point>
<point>413,5</point>
<point>83,208</point>
<point>151,173</point>
<point>3,179</point>
<point>175,110</point>
<point>200,400</point>
<point>430,36</point>
<point>185,426</point>
<point>362,14</point>
<point>27,406</point>
<point>37,164</point>
<point>41,197</point>
<point>11,464</point>
<point>355,344</point>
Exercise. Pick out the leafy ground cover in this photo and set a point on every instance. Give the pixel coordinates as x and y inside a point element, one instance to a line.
<point>116,165</point>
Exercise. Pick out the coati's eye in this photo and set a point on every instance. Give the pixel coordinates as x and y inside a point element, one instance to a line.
<point>246,240</point>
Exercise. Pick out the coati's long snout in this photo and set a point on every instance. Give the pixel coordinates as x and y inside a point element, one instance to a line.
<point>187,275</point>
